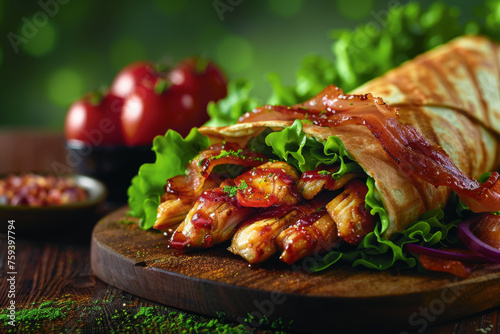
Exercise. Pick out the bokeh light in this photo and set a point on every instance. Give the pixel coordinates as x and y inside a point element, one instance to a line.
<point>235,53</point>
<point>285,7</point>
<point>355,9</point>
<point>65,86</point>
<point>42,37</point>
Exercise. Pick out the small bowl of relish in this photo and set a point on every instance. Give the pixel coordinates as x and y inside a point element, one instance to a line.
<point>38,202</point>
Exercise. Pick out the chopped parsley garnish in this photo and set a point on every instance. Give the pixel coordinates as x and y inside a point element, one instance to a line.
<point>230,190</point>
<point>236,154</point>
<point>233,190</point>
<point>225,153</point>
<point>243,185</point>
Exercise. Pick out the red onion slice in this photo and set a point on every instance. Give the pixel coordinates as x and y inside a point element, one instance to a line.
<point>449,255</point>
<point>474,243</point>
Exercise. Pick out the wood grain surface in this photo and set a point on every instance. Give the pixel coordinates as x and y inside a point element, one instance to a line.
<point>350,300</point>
<point>33,150</point>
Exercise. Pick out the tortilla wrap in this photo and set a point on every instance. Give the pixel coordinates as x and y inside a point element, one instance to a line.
<point>450,94</point>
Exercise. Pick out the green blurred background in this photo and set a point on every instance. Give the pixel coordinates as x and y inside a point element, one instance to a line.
<point>53,51</point>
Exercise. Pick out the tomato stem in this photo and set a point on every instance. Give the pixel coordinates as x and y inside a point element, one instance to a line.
<point>201,65</point>
<point>95,98</point>
<point>161,86</point>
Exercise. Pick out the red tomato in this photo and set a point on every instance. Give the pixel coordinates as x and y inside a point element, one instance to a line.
<point>147,113</point>
<point>186,75</point>
<point>142,73</point>
<point>200,77</point>
<point>193,84</point>
<point>95,120</point>
<point>215,82</point>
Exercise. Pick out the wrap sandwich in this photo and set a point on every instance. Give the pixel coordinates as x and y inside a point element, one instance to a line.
<point>340,173</point>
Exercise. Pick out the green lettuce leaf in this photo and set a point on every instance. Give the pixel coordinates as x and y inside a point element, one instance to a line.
<point>172,155</point>
<point>404,32</point>
<point>293,146</point>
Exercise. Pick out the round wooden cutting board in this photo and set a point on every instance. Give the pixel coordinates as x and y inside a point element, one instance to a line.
<point>215,282</point>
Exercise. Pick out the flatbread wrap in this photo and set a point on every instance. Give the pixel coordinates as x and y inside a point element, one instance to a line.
<point>341,171</point>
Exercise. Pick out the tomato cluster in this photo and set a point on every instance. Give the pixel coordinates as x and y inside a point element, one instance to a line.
<point>144,101</point>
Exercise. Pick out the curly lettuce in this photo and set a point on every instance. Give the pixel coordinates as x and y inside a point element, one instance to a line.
<point>172,155</point>
<point>293,146</point>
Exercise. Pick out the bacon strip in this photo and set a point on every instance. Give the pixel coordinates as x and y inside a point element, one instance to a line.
<point>200,168</point>
<point>402,142</point>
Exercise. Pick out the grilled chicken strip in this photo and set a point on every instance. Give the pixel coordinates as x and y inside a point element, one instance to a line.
<point>272,183</point>
<point>348,211</point>
<point>176,204</point>
<point>314,233</point>
<point>212,220</point>
<point>217,212</point>
<point>311,183</point>
<point>255,242</point>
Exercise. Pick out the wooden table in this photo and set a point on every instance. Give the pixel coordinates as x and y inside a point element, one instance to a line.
<point>56,291</point>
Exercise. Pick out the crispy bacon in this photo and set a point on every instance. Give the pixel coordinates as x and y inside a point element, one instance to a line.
<point>225,153</point>
<point>402,142</point>
<point>201,167</point>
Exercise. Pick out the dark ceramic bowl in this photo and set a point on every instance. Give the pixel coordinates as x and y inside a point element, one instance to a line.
<point>47,219</point>
<point>115,166</point>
